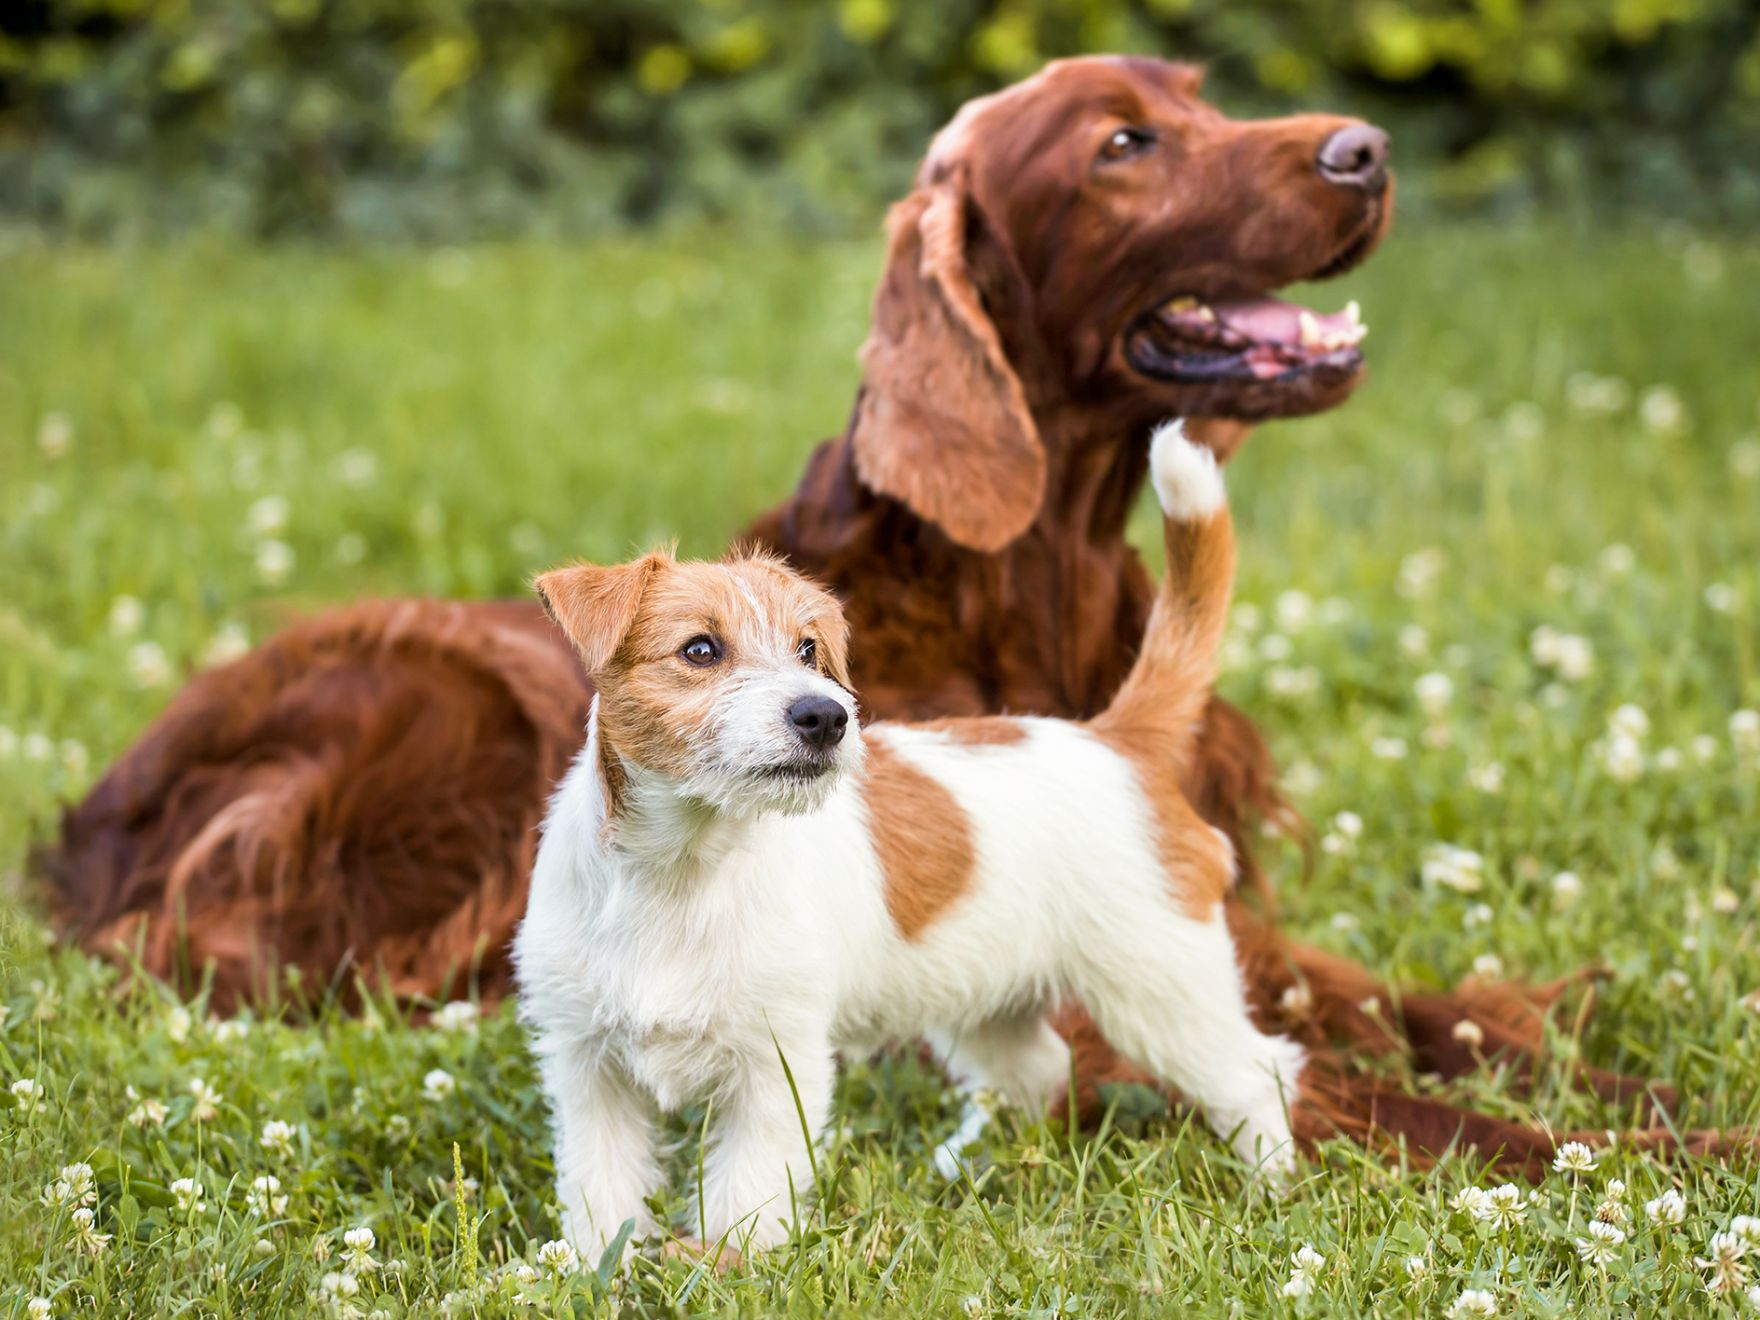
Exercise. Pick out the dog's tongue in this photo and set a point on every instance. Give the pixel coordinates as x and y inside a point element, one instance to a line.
<point>1274,321</point>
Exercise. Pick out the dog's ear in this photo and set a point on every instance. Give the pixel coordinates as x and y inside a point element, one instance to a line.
<point>595,606</point>
<point>942,423</point>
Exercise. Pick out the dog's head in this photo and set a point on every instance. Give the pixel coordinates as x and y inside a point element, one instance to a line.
<point>729,680</point>
<point>1097,238</point>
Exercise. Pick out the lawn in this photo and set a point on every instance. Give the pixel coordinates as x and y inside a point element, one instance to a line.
<point>1507,601</point>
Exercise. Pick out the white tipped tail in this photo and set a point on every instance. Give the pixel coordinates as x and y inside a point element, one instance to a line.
<point>1169,686</point>
<point>1185,476</point>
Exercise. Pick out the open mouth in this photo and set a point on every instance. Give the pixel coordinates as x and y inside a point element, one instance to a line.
<point>1256,355</point>
<point>1248,339</point>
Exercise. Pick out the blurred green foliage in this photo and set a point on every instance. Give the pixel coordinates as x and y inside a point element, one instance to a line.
<point>457,118</point>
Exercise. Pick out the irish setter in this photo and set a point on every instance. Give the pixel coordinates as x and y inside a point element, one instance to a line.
<point>1085,254</point>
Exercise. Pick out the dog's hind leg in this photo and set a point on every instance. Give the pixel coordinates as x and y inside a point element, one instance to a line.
<point>1166,991</point>
<point>1018,1058</point>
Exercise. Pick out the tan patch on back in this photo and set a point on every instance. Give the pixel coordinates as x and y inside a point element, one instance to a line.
<point>1199,866</point>
<point>921,836</point>
<point>978,730</point>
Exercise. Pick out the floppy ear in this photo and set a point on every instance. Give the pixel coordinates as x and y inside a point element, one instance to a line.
<point>942,423</point>
<point>595,606</point>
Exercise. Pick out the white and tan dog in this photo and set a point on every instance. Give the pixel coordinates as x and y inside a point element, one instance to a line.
<point>733,873</point>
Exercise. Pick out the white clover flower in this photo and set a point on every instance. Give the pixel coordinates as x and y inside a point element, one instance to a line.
<point>1473,1301</point>
<point>208,1101</point>
<point>398,1127</point>
<point>1704,748</point>
<point>1459,869</point>
<point>37,747</point>
<point>1725,901</point>
<point>178,1023</point>
<point>39,1308</point>
<point>1469,1033</point>
<point>1744,731</point>
<point>1480,914</point>
<point>359,1242</point>
<point>357,467</point>
<point>1487,778</point>
<point>1661,410</point>
<point>1294,610</point>
<point>55,435</point>
<point>127,614</point>
<point>265,1198</point>
<point>1623,759</point>
<point>1744,458</point>
<point>1488,964</point>
<point>1576,658</point>
<point>1434,691</point>
<point>437,1084</point>
<point>558,1256</point>
<point>1574,1158</point>
<point>189,1195</point>
<point>1722,598</point>
<point>230,1030</point>
<point>146,1112</point>
<point>1388,749</point>
<point>460,1015</point>
<point>337,1285</point>
<point>85,1232</point>
<point>1630,720</point>
<point>1417,1268</point>
<point>1746,1227</point>
<point>1504,1206</point>
<point>1664,865</point>
<point>75,1186</point>
<point>1473,1201</point>
<point>230,642</point>
<point>1667,759</point>
<point>1617,560</point>
<point>1414,642</point>
<point>148,665</point>
<point>274,560</point>
<point>1341,839</point>
<point>1669,1208</point>
<point>1345,922</point>
<point>268,515</point>
<point>27,1093</point>
<point>1676,986</point>
<point>1726,1272</point>
<point>277,1137</point>
<point>1304,1270</point>
<point>1292,684</point>
<point>1297,1001</point>
<point>1419,570</point>
<point>1587,392</point>
<point>1602,1243</point>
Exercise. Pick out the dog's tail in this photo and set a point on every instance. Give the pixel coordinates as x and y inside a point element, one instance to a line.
<point>1168,687</point>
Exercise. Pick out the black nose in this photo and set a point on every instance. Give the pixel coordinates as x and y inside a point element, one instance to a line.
<point>820,721</point>
<point>1355,157</point>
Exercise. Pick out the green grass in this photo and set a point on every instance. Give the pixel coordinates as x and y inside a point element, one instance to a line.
<point>449,422</point>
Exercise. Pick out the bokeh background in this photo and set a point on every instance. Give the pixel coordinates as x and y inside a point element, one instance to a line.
<point>472,118</point>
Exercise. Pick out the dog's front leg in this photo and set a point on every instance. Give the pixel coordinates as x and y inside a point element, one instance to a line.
<point>758,1172</point>
<point>605,1163</point>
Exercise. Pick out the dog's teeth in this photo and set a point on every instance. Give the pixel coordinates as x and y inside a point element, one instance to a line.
<point>1353,313</point>
<point>1205,315</point>
<point>1311,335</point>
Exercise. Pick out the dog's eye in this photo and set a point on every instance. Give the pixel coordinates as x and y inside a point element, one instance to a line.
<point>1126,142</point>
<point>808,653</point>
<point>700,651</point>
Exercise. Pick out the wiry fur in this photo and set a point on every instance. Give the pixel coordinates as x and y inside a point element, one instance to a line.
<point>657,971</point>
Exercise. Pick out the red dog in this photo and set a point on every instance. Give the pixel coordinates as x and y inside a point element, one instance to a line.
<point>1086,253</point>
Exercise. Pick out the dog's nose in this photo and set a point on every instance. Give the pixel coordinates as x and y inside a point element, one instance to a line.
<point>1355,157</point>
<point>820,721</point>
